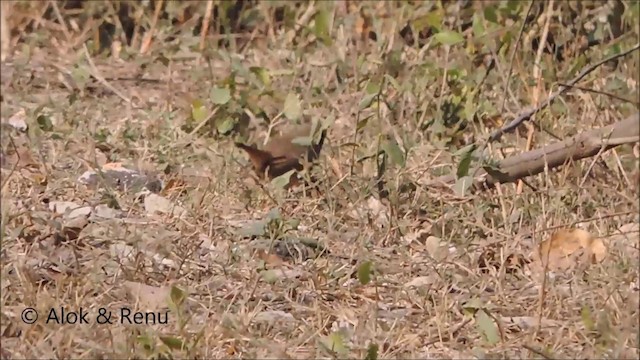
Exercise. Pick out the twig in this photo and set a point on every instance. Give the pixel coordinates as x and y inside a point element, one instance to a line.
<point>621,140</point>
<point>538,352</point>
<point>56,10</point>
<point>572,224</point>
<point>203,122</point>
<point>452,332</point>
<point>513,56</point>
<point>444,78</point>
<point>146,42</point>
<point>96,74</point>
<point>630,101</point>
<point>526,115</point>
<point>302,21</point>
<point>593,162</point>
<point>205,23</point>
<point>5,184</point>
<point>538,78</point>
<point>5,33</point>
<point>543,289</point>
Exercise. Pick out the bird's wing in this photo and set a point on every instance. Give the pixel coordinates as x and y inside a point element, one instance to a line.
<point>259,158</point>
<point>281,164</point>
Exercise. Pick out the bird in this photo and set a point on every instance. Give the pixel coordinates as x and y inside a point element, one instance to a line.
<point>281,154</point>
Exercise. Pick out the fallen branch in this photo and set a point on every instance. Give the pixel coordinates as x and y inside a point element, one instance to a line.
<point>533,162</point>
<point>527,114</point>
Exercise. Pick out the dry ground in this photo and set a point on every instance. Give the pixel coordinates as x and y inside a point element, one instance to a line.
<point>417,272</point>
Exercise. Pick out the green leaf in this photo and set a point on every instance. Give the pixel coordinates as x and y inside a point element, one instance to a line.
<point>578,64</point>
<point>465,154</point>
<point>81,76</point>
<point>366,101</point>
<point>490,14</point>
<point>462,185</point>
<point>177,296</point>
<point>44,123</point>
<point>321,27</point>
<point>146,342</point>
<point>364,272</point>
<point>262,74</point>
<point>282,181</point>
<point>269,276</point>
<point>393,82</point>
<point>373,87</point>
<point>372,352</point>
<point>220,96</point>
<point>515,7</point>
<point>292,108</point>
<point>293,224</point>
<point>334,343</point>
<point>225,125</point>
<point>478,27</point>
<point>253,229</point>
<point>393,150</point>
<point>615,84</point>
<point>487,327</point>
<point>362,123</point>
<point>431,19</point>
<point>463,166</point>
<point>198,111</point>
<point>327,122</point>
<point>273,214</point>
<point>464,150</point>
<point>587,319</point>
<point>171,342</point>
<point>448,37</point>
<point>472,305</point>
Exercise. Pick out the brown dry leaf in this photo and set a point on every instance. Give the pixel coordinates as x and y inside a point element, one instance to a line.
<point>421,281</point>
<point>500,257</point>
<point>174,185</point>
<point>568,247</point>
<point>272,260</point>
<point>374,210</point>
<point>159,204</point>
<point>437,249</point>
<point>18,120</point>
<point>148,297</point>
<point>71,228</point>
<point>20,158</point>
<point>627,235</point>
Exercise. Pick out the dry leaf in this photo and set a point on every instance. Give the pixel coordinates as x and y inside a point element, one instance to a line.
<point>627,235</point>
<point>159,204</point>
<point>71,228</point>
<point>148,297</point>
<point>18,120</point>
<point>421,281</point>
<point>569,247</point>
<point>69,209</point>
<point>272,260</point>
<point>274,316</point>
<point>374,210</point>
<point>497,258</point>
<point>436,248</point>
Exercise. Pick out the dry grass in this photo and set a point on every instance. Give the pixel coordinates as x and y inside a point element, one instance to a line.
<point>440,286</point>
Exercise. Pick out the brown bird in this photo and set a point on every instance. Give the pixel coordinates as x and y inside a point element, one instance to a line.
<point>281,154</point>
